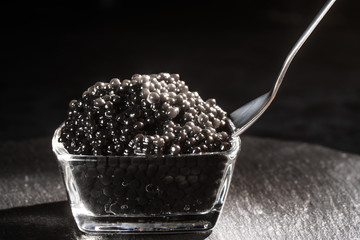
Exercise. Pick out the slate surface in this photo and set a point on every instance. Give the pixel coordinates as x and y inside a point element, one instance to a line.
<point>29,174</point>
<point>280,190</point>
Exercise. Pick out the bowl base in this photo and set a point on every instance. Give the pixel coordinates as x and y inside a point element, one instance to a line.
<point>166,224</point>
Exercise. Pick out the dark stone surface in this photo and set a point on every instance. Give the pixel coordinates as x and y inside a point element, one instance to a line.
<point>291,190</point>
<point>280,190</point>
<point>29,174</point>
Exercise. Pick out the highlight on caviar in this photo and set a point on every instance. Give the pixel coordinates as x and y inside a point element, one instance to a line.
<point>145,115</point>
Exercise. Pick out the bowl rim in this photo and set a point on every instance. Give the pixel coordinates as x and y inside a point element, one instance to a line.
<point>62,154</point>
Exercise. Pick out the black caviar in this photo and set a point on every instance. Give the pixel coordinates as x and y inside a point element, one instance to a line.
<point>147,115</point>
<point>149,185</point>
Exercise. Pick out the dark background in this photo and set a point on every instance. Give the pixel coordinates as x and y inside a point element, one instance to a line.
<point>229,50</point>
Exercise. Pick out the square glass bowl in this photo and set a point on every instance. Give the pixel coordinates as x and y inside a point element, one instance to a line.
<point>134,194</point>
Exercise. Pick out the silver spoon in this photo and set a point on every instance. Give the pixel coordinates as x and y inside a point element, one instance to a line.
<point>246,115</point>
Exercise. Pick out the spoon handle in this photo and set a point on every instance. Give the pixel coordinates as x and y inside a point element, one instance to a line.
<point>299,44</point>
<point>246,115</point>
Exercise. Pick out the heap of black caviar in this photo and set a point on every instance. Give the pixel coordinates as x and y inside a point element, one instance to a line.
<point>149,114</point>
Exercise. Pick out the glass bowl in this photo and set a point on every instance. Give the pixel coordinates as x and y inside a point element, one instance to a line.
<point>130,194</point>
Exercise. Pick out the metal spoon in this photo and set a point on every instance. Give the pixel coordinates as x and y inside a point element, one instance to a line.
<point>246,115</point>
